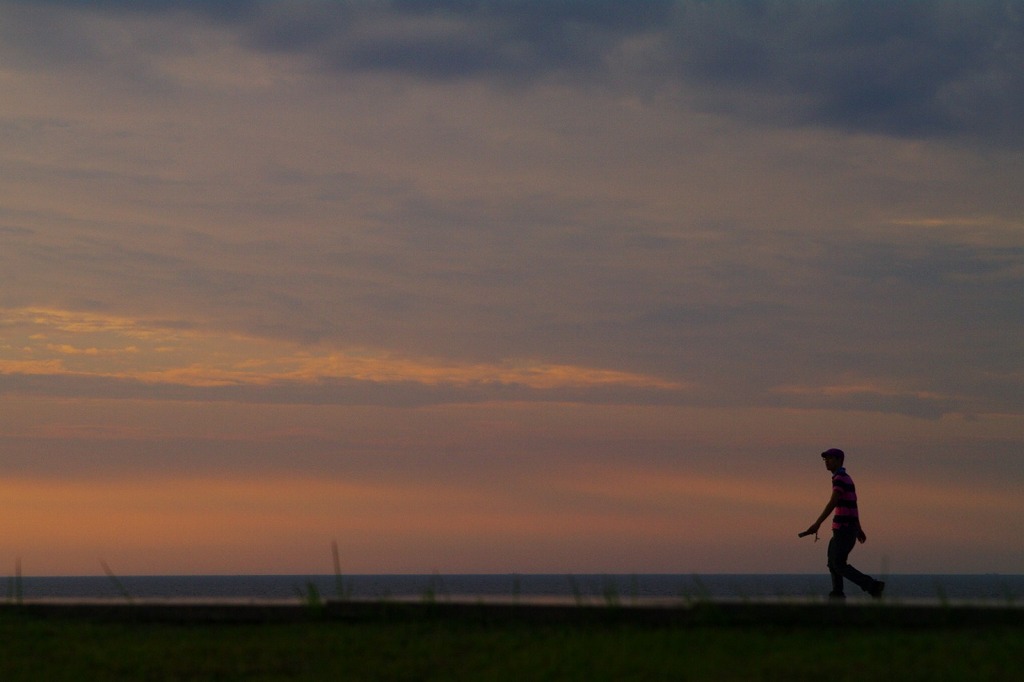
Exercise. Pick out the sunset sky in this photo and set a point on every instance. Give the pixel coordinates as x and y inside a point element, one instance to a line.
<point>468,286</point>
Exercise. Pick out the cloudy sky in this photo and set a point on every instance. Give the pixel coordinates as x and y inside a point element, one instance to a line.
<point>475,286</point>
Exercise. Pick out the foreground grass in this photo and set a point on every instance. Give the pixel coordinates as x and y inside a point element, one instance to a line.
<point>34,648</point>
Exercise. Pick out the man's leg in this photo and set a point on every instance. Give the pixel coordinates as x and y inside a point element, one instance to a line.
<point>839,548</point>
<point>844,540</point>
<point>862,581</point>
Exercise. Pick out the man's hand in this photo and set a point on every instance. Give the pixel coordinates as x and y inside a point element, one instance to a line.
<point>813,530</point>
<point>861,537</point>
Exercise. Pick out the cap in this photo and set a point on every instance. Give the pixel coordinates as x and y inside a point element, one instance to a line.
<point>833,452</point>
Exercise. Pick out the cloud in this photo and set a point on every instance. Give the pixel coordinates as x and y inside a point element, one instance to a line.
<point>924,69</point>
<point>933,69</point>
<point>76,354</point>
<point>882,396</point>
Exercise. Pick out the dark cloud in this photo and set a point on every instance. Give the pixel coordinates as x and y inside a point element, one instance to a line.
<point>916,69</point>
<point>919,69</point>
<point>220,9</point>
<point>511,41</point>
<point>909,69</point>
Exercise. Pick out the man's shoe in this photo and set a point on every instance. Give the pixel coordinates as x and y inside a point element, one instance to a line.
<point>836,596</point>
<point>876,589</point>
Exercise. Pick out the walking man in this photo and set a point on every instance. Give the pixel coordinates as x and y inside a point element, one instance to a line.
<point>846,530</point>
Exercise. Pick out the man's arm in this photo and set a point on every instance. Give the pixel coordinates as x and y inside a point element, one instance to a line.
<point>829,508</point>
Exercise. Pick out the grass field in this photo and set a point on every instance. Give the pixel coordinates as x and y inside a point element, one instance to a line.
<point>445,648</point>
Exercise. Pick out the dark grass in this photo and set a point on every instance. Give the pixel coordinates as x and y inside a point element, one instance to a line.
<point>34,647</point>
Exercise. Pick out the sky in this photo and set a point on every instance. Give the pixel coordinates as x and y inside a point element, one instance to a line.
<point>509,286</point>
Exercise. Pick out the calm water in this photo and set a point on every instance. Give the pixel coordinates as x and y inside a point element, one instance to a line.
<point>1003,589</point>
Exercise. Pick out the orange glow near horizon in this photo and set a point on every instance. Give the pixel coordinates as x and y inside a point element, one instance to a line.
<point>206,526</point>
<point>285,524</point>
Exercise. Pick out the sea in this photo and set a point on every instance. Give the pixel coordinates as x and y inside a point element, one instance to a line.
<point>995,589</point>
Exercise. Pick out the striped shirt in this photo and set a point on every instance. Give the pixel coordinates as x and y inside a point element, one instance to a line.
<point>846,509</point>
